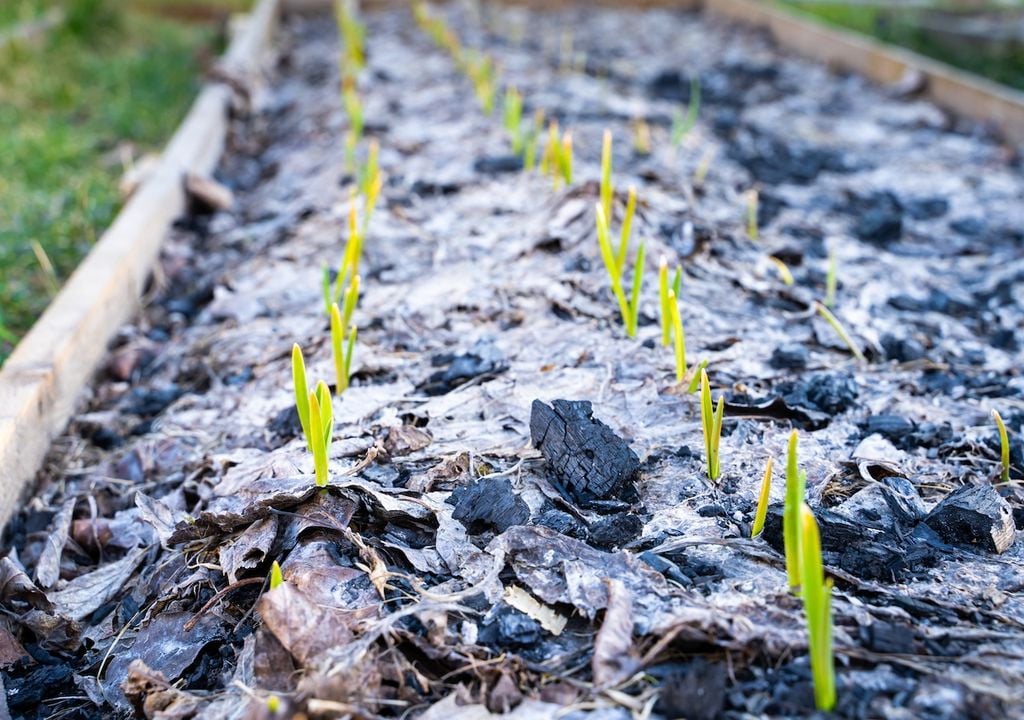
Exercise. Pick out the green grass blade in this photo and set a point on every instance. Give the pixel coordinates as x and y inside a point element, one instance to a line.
<point>337,342</point>
<point>606,174</point>
<point>627,229</point>
<point>762,500</point>
<point>608,256</point>
<point>695,380</point>
<point>840,331</point>
<point>707,422</point>
<point>666,313</point>
<point>301,391</point>
<point>817,609</point>
<point>317,445</point>
<point>634,291</point>
<point>791,514</point>
<point>679,336</point>
<point>1004,446</point>
<point>276,578</point>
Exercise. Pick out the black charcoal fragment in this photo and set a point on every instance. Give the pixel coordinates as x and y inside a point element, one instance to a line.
<point>489,504</point>
<point>590,461</point>
<point>974,515</point>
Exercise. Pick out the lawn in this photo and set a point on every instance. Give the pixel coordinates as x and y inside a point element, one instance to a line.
<point>900,26</point>
<point>111,85</point>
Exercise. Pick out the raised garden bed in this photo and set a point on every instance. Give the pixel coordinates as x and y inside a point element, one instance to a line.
<point>452,569</point>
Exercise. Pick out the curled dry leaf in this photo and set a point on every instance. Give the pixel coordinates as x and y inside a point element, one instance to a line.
<point>48,568</point>
<point>614,658</point>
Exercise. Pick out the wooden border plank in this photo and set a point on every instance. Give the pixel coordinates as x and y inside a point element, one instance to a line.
<point>957,91</point>
<point>42,380</point>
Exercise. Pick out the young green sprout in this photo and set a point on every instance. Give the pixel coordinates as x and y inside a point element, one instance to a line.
<point>641,137</point>
<point>784,273</point>
<point>831,278</point>
<point>817,595</point>
<point>627,228</point>
<point>677,333</point>
<point>663,295</point>
<point>354,110</point>
<point>701,173</point>
<point>513,119</point>
<point>1004,446</point>
<point>315,415</point>
<point>531,140</point>
<point>683,124</point>
<point>840,330</point>
<point>762,500</point>
<point>276,578</point>
<point>352,32</point>
<point>711,419</point>
<point>342,349</point>
<point>695,377</point>
<point>556,160</point>
<point>796,483</point>
<point>752,202</point>
<point>629,308</point>
<point>606,174</point>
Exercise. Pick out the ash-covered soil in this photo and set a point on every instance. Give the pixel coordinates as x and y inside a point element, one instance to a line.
<point>448,572</point>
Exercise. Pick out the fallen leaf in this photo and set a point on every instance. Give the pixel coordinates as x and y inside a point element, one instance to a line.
<point>614,658</point>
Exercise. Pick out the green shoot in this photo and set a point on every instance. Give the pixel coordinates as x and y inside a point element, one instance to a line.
<point>630,310</point>
<point>565,159</point>
<point>513,119</point>
<point>840,330</point>
<point>641,137</point>
<point>353,108</point>
<point>321,429</point>
<point>370,170</point>
<point>482,72</point>
<point>353,33</point>
<point>762,500</point>
<point>701,173</point>
<point>784,273</point>
<point>796,482</point>
<point>315,414</point>
<point>276,578</point>
<point>682,125</point>
<point>627,228</point>
<point>273,704</point>
<point>663,288</point>
<point>532,137</point>
<point>677,334</point>
<point>301,391</point>
<point>694,385</point>
<point>752,214</point>
<point>606,174</point>
<point>342,349</point>
<point>831,278</point>
<point>817,594</point>
<point>556,159</point>
<point>711,419</point>
<point>1004,446</point>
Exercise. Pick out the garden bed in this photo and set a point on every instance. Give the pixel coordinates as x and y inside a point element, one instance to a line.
<point>444,567</point>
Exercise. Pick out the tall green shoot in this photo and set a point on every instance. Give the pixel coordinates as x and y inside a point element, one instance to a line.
<point>342,349</point>
<point>832,320</point>
<point>628,307</point>
<point>762,500</point>
<point>711,420</point>
<point>796,483</point>
<point>831,278</point>
<point>663,290</point>
<point>752,203</point>
<point>1004,447</point>
<point>682,125</point>
<point>817,595</point>
<point>606,174</point>
<point>321,429</point>
<point>513,119</point>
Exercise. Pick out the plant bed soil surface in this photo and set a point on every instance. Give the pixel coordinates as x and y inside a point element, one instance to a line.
<point>453,569</point>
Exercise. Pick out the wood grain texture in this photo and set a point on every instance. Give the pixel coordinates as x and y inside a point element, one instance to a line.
<point>42,380</point>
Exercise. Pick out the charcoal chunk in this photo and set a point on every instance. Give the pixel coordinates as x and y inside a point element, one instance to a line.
<point>496,164</point>
<point>589,459</point>
<point>789,356</point>
<point>489,504</point>
<point>614,531</point>
<point>484,359</point>
<point>974,515</point>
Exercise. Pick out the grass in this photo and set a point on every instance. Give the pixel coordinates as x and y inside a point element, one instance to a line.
<point>817,594</point>
<point>762,499</point>
<point>316,415</point>
<point>13,12</point>
<point>68,105</point>
<point>901,27</point>
<point>796,483</point>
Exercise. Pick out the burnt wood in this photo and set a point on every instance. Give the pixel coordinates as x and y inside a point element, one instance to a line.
<point>974,515</point>
<point>589,459</point>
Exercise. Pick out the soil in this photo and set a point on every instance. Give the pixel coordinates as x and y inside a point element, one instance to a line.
<point>481,547</point>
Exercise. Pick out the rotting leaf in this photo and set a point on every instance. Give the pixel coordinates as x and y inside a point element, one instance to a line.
<point>614,658</point>
<point>249,550</point>
<point>306,629</point>
<point>160,515</point>
<point>48,567</point>
<point>16,587</point>
<point>86,593</point>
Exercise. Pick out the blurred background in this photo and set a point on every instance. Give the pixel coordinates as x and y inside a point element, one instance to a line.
<point>89,87</point>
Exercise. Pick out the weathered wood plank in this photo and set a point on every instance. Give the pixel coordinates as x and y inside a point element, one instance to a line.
<point>42,380</point>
